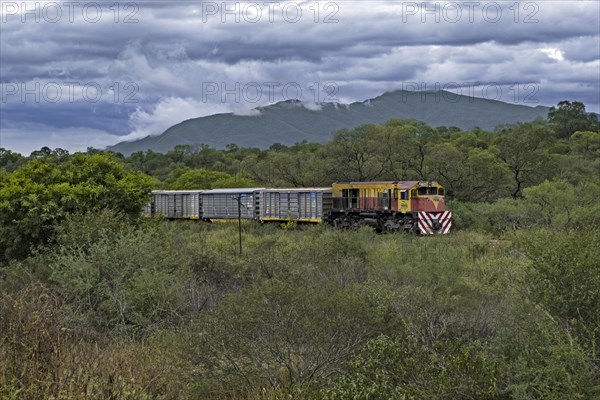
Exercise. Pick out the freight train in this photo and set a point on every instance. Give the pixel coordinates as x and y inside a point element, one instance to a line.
<point>412,206</point>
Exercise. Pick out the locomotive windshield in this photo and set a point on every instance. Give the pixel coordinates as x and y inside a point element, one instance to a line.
<point>430,191</point>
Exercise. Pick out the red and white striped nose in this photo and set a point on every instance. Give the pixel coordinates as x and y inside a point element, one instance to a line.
<point>430,223</point>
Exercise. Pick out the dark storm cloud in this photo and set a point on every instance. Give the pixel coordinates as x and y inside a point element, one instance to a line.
<point>111,117</point>
<point>173,50</point>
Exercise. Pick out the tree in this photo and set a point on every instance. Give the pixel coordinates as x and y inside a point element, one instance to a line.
<point>277,147</point>
<point>521,148</point>
<point>400,149</point>
<point>586,143</point>
<point>569,117</point>
<point>10,160</point>
<point>39,194</point>
<point>447,164</point>
<point>43,152</point>
<point>206,179</point>
<point>353,155</point>
<point>231,148</point>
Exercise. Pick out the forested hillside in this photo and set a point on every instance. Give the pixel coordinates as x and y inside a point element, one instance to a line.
<point>97,302</point>
<point>291,121</point>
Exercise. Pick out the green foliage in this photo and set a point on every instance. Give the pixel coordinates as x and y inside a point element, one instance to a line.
<point>10,160</point>
<point>586,143</point>
<point>128,281</point>
<point>43,356</point>
<point>282,336</point>
<point>524,150</point>
<point>290,225</point>
<point>541,359</point>
<point>42,192</point>
<point>403,368</point>
<point>532,359</point>
<point>309,313</point>
<point>205,179</point>
<point>569,117</point>
<point>551,204</point>
<point>565,279</point>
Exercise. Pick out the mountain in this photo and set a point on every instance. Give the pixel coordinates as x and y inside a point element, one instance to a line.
<point>288,122</point>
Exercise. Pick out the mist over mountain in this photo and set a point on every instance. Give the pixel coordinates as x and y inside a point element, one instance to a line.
<point>288,122</point>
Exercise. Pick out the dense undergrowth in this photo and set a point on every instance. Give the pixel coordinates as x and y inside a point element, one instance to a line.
<point>157,309</point>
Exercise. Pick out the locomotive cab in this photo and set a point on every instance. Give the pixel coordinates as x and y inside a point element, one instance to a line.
<point>428,197</point>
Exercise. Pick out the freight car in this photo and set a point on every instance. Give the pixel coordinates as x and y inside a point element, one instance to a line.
<point>300,205</point>
<point>387,206</point>
<point>223,204</point>
<point>175,204</point>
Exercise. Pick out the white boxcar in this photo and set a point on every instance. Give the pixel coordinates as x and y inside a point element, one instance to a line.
<point>176,203</point>
<point>302,204</point>
<point>223,203</point>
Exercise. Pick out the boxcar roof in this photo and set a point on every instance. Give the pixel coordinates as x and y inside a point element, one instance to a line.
<point>307,189</point>
<point>232,190</point>
<point>177,191</point>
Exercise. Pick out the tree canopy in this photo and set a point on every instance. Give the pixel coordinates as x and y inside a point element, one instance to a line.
<point>41,192</point>
<point>569,117</point>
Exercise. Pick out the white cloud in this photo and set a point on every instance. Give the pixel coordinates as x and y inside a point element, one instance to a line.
<point>553,53</point>
<point>167,113</point>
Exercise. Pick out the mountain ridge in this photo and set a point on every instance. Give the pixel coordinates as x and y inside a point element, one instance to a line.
<point>291,121</point>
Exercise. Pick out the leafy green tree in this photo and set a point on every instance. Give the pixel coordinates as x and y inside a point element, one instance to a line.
<point>40,193</point>
<point>297,168</point>
<point>232,148</point>
<point>10,160</point>
<point>586,143</point>
<point>43,152</point>
<point>488,178</point>
<point>399,149</point>
<point>277,147</point>
<point>403,148</point>
<point>4,174</point>
<point>554,202</point>
<point>522,149</point>
<point>447,164</point>
<point>304,164</point>
<point>204,157</point>
<point>206,179</point>
<point>569,117</point>
<point>352,155</point>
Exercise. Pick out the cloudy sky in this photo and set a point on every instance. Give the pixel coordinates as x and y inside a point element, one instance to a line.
<point>78,74</point>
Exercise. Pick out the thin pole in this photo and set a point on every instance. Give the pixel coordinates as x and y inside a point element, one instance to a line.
<point>239,200</point>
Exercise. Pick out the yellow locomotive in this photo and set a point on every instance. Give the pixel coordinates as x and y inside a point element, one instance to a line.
<point>391,206</point>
